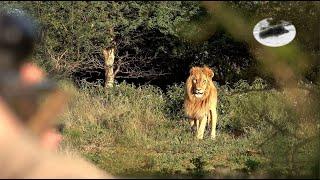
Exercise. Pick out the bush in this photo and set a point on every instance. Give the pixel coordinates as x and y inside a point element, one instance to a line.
<point>133,112</point>
<point>131,128</point>
<point>174,101</point>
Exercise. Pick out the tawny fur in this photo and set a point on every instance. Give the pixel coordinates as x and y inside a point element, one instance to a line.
<point>199,110</point>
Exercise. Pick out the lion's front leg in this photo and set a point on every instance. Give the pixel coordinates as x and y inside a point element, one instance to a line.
<point>202,127</point>
<point>192,124</point>
<point>214,117</point>
<point>197,124</point>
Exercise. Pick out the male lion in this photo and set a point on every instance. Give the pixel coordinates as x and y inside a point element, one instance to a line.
<point>200,101</point>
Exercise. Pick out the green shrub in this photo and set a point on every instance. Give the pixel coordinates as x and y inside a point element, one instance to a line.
<point>133,128</point>
<point>133,112</point>
<point>174,101</point>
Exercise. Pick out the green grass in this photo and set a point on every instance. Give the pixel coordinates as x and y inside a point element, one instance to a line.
<point>134,131</point>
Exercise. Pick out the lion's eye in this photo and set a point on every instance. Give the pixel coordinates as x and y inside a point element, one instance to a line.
<point>204,80</point>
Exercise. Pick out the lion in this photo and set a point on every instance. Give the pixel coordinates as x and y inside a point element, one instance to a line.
<point>200,101</point>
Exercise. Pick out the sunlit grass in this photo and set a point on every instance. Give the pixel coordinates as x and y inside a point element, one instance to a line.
<point>139,132</point>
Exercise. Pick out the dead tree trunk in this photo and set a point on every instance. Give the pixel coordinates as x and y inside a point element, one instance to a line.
<point>108,64</point>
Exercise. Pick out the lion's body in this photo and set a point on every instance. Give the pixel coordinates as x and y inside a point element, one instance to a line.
<point>200,101</point>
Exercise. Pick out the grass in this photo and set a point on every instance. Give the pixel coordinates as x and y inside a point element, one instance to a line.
<point>140,132</point>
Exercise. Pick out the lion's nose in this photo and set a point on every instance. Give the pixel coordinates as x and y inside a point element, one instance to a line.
<point>198,90</point>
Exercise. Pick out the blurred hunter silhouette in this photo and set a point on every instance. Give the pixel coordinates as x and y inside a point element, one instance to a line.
<point>36,105</point>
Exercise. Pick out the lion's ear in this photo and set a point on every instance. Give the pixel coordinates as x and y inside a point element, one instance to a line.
<point>193,70</point>
<point>208,71</point>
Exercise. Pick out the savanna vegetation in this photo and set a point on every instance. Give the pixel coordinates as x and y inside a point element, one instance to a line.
<point>268,104</point>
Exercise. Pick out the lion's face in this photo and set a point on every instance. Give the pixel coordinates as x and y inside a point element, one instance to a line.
<point>199,84</point>
<point>199,80</point>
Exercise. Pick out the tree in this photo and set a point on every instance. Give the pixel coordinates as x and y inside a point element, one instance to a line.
<point>76,33</point>
<point>156,41</point>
